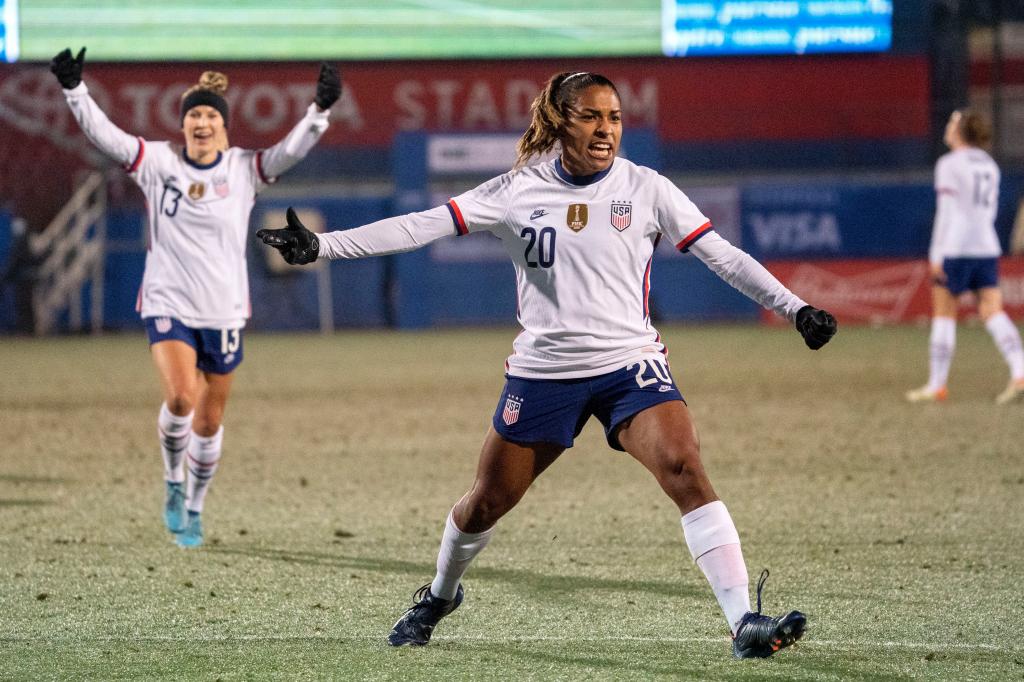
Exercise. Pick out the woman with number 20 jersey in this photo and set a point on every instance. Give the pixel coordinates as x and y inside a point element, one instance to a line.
<point>581,233</point>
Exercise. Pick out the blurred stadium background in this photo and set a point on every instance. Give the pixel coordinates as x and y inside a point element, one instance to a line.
<point>806,130</point>
<point>815,155</point>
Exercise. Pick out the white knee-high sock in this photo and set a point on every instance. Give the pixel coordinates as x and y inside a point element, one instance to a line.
<point>715,545</point>
<point>203,456</point>
<point>457,551</point>
<point>940,351</point>
<point>1007,339</point>
<point>174,432</point>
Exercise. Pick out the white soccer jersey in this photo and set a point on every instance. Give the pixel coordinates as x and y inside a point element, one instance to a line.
<point>198,214</point>
<point>582,250</point>
<point>967,196</point>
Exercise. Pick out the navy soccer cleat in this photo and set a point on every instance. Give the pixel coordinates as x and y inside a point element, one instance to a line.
<point>760,636</point>
<point>415,627</point>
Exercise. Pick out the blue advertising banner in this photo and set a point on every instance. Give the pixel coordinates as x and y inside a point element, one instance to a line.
<point>833,221</point>
<point>852,220</point>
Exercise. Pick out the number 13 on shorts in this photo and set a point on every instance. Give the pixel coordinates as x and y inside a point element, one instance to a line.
<point>229,340</point>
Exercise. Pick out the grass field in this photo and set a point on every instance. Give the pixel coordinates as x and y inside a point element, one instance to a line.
<point>117,30</point>
<point>897,528</point>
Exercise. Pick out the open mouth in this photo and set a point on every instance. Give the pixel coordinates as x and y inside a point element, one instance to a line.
<point>601,150</point>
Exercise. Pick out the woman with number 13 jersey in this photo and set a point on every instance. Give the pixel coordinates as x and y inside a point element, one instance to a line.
<point>194,296</point>
<point>581,231</point>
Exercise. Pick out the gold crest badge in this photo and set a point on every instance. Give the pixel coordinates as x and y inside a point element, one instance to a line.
<point>196,191</point>
<point>576,218</point>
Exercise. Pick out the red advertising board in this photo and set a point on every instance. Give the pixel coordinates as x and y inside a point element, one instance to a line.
<point>882,291</point>
<point>777,98</point>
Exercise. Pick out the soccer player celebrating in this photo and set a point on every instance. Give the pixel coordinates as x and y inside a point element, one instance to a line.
<point>194,296</point>
<point>964,255</point>
<point>581,232</point>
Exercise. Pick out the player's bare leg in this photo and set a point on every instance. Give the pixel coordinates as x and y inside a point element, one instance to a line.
<point>664,439</point>
<point>504,474</point>
<point>175,362</point>
<point>1007,339</point>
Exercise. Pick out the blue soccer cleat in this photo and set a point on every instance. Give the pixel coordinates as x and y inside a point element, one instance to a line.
<point>192,536</point>
<point>760,636</point>
<point>174,507</point>
<point>415,627</point>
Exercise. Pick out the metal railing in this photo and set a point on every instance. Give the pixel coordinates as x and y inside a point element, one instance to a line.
<point>69,253</point>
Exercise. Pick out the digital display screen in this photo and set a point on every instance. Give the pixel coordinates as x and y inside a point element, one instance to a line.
<point>273,30</point>
<point>9,44</point>
<point>755,27</point>
<point>309,30</point>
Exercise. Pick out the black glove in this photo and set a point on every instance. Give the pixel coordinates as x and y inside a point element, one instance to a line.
<point>816,326</point>
<point>297,245</point>
<point>68,69</point>
<point>328,86</point>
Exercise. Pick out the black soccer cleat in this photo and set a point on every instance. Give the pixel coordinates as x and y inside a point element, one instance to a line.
<point>417,624</point>
<point>760,636</point>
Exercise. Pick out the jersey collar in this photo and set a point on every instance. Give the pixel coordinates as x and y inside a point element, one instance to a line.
<point>580,179</point>
<point>201,166</point>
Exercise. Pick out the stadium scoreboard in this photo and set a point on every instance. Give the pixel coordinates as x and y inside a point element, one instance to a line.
<point>8,30</point>
<point>753,27</point>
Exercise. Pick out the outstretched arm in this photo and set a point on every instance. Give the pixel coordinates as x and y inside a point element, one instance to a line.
<point>744,273</point>
<point>751,278</point>
<point>294,147</point>
<point>299,246</point>
<point>107,137</point>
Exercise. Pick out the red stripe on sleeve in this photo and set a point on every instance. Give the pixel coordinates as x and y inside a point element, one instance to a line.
<point>460,222</point>
<point>694,236</point>
<point>259,168</point>
<point>134,165</point>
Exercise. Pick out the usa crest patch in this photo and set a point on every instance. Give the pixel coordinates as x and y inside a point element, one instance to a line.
<point>622,216</point>
<point>510,415</point>
<point>220,187</point>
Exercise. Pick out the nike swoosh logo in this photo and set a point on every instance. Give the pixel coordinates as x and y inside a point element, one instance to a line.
<point>540,212</point>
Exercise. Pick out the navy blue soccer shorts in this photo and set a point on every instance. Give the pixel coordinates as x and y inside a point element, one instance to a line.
<point>555,410</point>
<point>218,351</point>
<point>970,274</point>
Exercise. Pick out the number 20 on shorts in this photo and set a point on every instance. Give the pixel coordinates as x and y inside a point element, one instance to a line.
<point>658,369</point>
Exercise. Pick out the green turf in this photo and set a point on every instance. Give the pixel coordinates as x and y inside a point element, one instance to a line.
<point>117,30</point>
<point>896,527</point>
